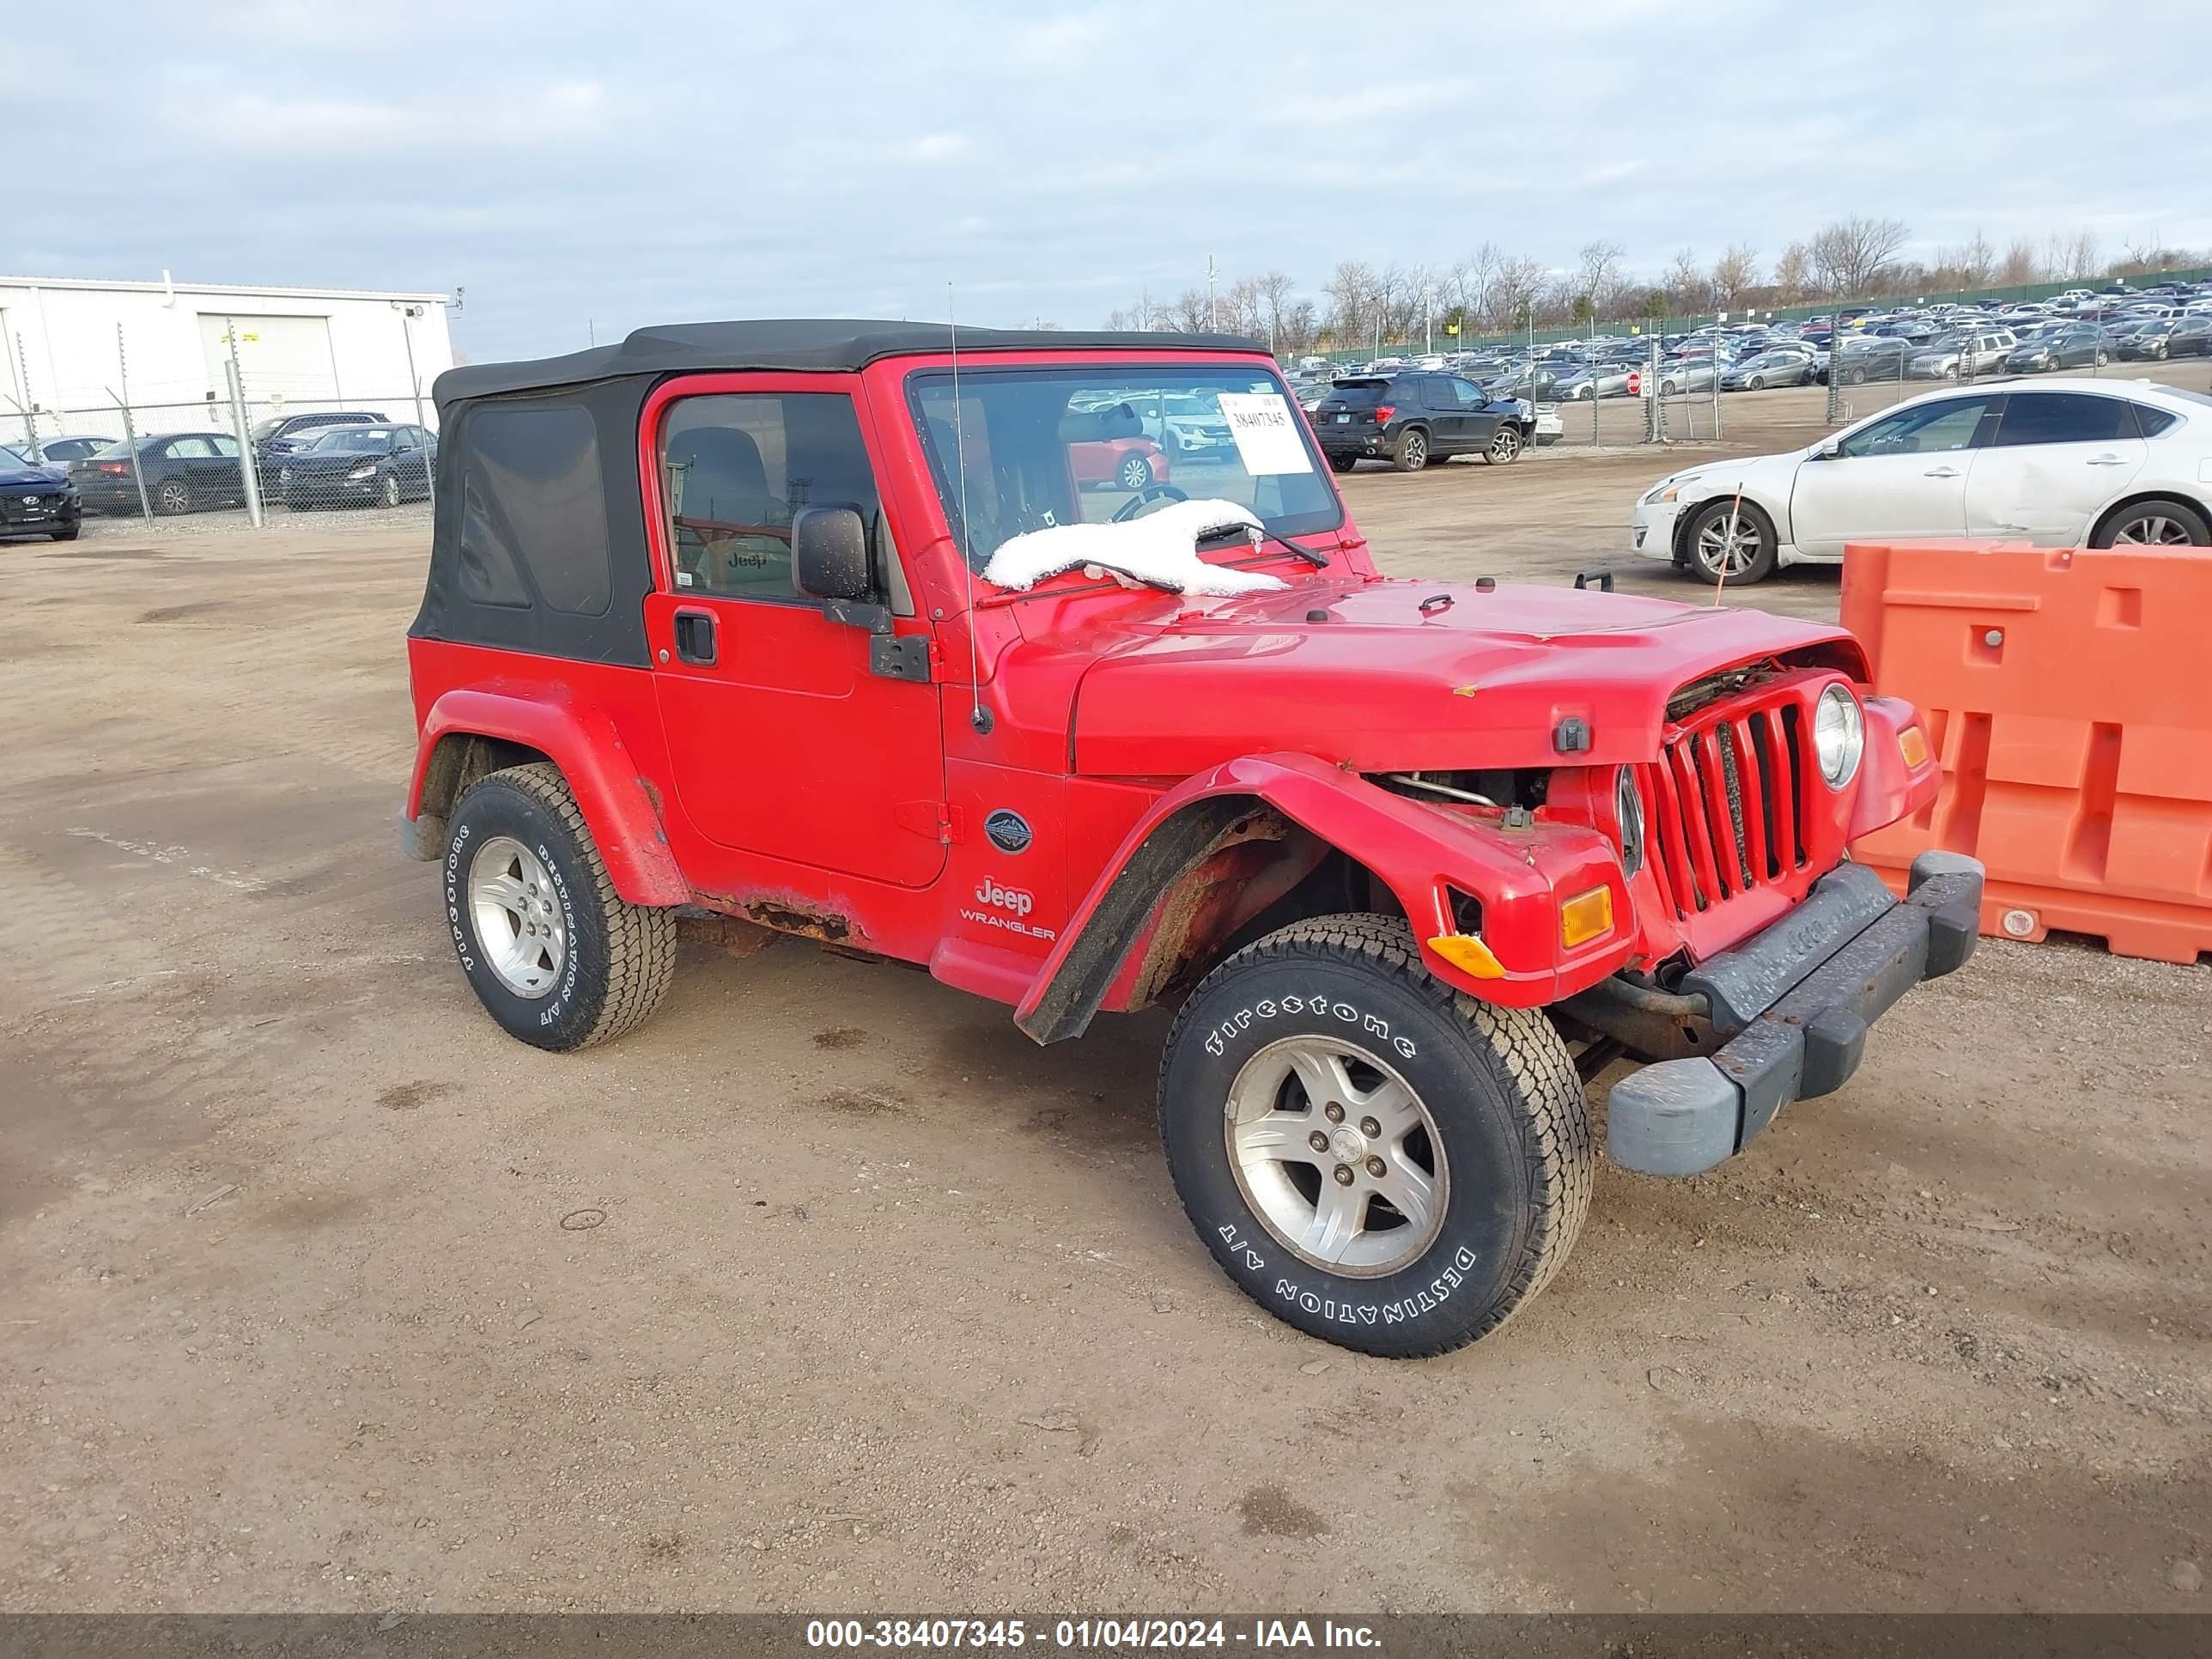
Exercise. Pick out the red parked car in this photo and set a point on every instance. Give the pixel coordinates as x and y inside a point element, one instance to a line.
<point>1131,463</point>
<point>811,624</point>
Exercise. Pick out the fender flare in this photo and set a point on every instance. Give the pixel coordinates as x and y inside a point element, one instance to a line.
<point>1419,852</point>
<point>618,805</point>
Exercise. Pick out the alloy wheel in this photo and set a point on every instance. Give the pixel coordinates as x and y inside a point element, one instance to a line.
<point>2151,530</point>
<point>518,915</point>
<point>1505,445</point>
<point>1337,1156</point>
<point>1721,553</point>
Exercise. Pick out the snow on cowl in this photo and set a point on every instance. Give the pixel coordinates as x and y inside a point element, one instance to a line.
<point>1161,548</point>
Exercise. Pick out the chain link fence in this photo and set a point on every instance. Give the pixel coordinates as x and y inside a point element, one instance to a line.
<point>264,442</point>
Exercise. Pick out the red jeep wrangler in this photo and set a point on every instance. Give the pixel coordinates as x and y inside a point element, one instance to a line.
<point>815,624</point>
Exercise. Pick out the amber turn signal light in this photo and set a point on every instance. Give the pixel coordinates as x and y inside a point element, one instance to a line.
<point>1586,916</point>
<point>1912,744</point>
<point>1468,954</point>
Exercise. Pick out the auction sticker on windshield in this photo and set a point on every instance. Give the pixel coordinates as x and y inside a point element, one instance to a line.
<point>1266,433</point>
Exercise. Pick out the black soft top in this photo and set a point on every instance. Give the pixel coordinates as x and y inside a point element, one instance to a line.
<point>799,343</point>
<point>538,540</point>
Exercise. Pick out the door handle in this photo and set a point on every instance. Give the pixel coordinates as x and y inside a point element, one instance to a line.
<point>1941,472</point>
<point>695,636</point>
<point>2108,461</point>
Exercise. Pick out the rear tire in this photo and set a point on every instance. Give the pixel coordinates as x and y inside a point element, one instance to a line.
<point>551,950</point>
<point>1135,472</point>
<point>2161,522</point>
<point>1342,462</point>
<point>172,497</point>
<point>1483,1130</point>
<point>1411,453</point>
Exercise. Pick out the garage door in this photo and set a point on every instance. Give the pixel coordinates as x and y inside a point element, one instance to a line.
<point>282,359</point>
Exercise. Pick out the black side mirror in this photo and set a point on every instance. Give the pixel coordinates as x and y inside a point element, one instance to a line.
<point>830,553</point>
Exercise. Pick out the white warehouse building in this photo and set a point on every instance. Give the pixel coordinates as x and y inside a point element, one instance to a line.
<point>76,347</point>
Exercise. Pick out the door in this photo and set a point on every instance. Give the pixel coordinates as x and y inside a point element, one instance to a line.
<point>782,740</point>
<point>193,461</point>
<point>2057,458</point>
<point>1477,425</point>
<point>1902,475</point>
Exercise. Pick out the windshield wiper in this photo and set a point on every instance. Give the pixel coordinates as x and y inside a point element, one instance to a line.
<point>1312,556</point>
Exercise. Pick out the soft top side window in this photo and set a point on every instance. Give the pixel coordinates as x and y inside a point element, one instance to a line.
<point>736,469</point>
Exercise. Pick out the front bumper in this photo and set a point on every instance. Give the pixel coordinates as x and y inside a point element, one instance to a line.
<point>1652,532</point>
<point>1794,1005</point>
<point>47,510</point>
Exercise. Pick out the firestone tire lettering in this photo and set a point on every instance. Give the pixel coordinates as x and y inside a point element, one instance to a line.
<point>1499,1087</point>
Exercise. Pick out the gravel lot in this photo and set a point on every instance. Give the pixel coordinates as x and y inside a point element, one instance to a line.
<point>827,1291</point>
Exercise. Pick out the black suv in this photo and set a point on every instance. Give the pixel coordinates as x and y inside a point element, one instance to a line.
<point>1410,420</point>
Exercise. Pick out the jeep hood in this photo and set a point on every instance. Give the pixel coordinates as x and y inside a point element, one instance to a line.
<point>1377,683</point>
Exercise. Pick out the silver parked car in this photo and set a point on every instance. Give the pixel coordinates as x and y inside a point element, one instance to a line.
<point>1966,352</point>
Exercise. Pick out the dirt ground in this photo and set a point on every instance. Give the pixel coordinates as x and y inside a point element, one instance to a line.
<point>828,1291</point>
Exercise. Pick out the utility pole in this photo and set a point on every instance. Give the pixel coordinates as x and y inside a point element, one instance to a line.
<point>1212,310</point>
<point>130,431</point>
<point>248,463</point>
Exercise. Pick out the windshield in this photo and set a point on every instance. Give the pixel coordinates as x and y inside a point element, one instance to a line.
<point>8,453</point>
<point>370,442</point>
<point>1039,448</point>
<point>264,430</point>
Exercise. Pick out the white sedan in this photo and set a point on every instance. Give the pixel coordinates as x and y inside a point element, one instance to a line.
<point>2057,462</point>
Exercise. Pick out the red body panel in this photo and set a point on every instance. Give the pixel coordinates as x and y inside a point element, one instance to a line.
<point>788,783</point>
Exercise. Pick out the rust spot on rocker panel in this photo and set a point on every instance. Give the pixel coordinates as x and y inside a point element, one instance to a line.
<point>787,913</point>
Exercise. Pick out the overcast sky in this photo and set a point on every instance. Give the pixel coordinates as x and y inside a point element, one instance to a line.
<point>606,165</point>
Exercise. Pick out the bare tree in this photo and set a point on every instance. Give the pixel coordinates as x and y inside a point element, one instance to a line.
<point>2071,258</point>
<point>1275,291</point>
<point>1793,274</point>
<point>1351,293</point>
<point>1687,285</point>
<point>1513,291</point>
<point>2019,266</point>
<point>1967,265</point>
<point>1192,312</point>
<point>1598,267</point>
<point>1733,273</point>
<point>1851,254</point>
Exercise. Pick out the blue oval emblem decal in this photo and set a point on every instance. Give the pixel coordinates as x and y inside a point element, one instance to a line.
<point>1009,831</point>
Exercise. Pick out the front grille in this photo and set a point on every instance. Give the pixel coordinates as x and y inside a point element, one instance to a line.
<point>1726,799</point>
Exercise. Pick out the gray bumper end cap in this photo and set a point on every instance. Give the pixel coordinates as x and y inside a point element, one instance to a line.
<point>1678,1117</point>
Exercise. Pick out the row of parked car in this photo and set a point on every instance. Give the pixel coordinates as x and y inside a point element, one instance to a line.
<point>301,462</point>
<point>2078,329</point>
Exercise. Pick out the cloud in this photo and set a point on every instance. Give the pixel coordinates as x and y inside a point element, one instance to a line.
<point>935,147</point>
<point>705,160</point>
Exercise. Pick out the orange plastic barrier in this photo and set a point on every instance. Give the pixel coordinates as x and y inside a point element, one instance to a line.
<point>2068,694</point>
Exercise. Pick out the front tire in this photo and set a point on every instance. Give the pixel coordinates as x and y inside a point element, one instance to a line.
<point>387,490</point>
<point>1411,453</point>
<point>1748,556</point>
<point>1456,1162</point>
<point>551,950</point>
<point>1504,447</point>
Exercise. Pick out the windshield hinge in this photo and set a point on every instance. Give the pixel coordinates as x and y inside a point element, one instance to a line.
<point>899,656</point>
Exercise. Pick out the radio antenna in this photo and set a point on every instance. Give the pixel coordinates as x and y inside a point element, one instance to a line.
<point>976,717</point>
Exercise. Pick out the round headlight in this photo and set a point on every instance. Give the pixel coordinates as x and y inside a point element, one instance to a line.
<point>1839,735</point>
<point>1628,805</point>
